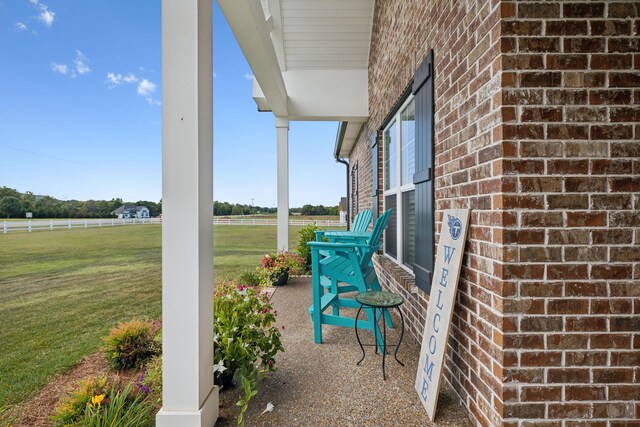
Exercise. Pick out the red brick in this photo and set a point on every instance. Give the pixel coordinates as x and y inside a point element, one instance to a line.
<point>584,44</point>
<point>623,9</point>
<point>610,97</point>
<point>631,79</point>
<point>567,375</point>
<point>566,28</point>
<point>539,44</point>
<point>583,10</point>
<point>611,271</point>
<point>610,27</point>
<point>538,10</point>
<point>588,392</point>
<point>586,219</point>
<point>568,306</point>
<point>541,393</point>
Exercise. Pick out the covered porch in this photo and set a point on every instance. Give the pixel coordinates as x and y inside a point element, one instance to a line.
<point>309,61</point>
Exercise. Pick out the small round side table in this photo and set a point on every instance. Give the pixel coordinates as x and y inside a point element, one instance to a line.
<point>380,300</point>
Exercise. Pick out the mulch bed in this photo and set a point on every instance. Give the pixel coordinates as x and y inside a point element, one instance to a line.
<point>37,410</point>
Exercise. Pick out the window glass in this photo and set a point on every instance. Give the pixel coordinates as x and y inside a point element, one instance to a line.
<point>390,178</point>
<point>408,136</point>
<point>409,228</point>
<point>391,233</point>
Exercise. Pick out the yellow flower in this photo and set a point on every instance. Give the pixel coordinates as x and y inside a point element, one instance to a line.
<point>96,400</point>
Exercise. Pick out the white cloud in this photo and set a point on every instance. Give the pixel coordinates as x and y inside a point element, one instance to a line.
<point>20,26</point>
<point>144,87</point>
<point>130,78</point>
<point>81,63</point>
<point>46,16</point>
<point>114,79</point>
<point>60,68</point>
<point>79,66</point>
<point>248,76</point>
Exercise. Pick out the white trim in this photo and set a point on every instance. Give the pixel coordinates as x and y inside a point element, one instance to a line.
<point>282,130</point>
<point>275,10</point>
<point>399,189</point>
<point>247,21</point>
<point>189,397</point>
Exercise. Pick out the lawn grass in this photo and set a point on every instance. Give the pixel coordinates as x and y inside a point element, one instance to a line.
<point>60,291</point>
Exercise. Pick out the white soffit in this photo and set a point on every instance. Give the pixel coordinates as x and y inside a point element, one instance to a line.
<point>350,137</point>
<point>329,34</point>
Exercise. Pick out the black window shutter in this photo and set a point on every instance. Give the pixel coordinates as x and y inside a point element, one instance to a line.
<point>374,180</point>
<point>423,89</point>
<point>357,185</point>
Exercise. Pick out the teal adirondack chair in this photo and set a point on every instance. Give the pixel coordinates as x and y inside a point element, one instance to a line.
<point>359,226</point>
<point>345,267</point>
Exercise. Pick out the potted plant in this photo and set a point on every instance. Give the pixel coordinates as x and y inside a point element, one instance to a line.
<point>277,267</point>
<point>245,334</point>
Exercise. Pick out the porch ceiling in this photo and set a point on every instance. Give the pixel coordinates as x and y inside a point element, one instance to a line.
<point>319,50</point>
<point>331,34</point>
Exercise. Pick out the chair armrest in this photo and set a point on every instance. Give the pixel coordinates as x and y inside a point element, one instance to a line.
<point>335,246</point>
<point>319,235</point>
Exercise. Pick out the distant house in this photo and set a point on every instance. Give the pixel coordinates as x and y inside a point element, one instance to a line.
<point>131,211</point>
<point>343,207</point>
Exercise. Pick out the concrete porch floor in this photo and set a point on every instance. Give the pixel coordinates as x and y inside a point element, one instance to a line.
<point>320,384</point>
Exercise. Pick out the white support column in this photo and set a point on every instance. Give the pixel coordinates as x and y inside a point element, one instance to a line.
<point>282,127</point>
<point>189,397</point>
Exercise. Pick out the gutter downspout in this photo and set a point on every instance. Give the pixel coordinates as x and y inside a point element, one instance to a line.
<point>342,128</point>
<point>346,163</point>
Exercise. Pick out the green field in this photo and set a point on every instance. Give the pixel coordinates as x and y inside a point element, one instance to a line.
<point>61,291</point>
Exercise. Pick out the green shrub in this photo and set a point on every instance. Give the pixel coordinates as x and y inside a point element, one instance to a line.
<point>151,380</point>
<point>250,278</point>
<point>130,345</point>
<point>307,234</point>
<point>246,340</point>
<point>70,410</point>
<point>126,407</point>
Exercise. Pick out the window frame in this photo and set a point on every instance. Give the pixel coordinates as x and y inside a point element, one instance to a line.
<point>400,189</point>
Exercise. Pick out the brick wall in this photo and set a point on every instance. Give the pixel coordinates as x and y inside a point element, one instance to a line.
<point>571,111</point>
<point>465,38</point>
<point>538,131</point>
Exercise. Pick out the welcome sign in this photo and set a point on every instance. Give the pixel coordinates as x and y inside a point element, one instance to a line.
<point>446,274</point>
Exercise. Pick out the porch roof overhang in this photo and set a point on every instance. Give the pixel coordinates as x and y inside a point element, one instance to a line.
<point>309,59</point>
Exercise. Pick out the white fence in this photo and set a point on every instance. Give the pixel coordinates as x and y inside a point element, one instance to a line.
<point>57,224</point>
<point>273,221</point>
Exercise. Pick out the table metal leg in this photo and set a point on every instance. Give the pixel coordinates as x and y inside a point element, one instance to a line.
<point>384,344</point>
<point>375,331</point>
<point>358,336</point>
<point>401,335</point>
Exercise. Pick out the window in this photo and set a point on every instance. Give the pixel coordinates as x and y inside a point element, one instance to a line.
<point>399,191</point>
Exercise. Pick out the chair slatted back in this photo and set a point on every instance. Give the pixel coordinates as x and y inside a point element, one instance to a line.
<point>361,221</point>
<point>376,234</point>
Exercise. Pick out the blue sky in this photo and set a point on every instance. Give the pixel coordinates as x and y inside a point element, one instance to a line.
<point>80,110</point>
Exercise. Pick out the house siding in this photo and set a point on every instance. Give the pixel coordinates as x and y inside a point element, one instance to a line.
<point>536,130</point>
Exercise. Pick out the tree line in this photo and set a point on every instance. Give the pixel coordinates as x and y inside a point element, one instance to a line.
<point>226,209</point>
<point>14,204</point>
